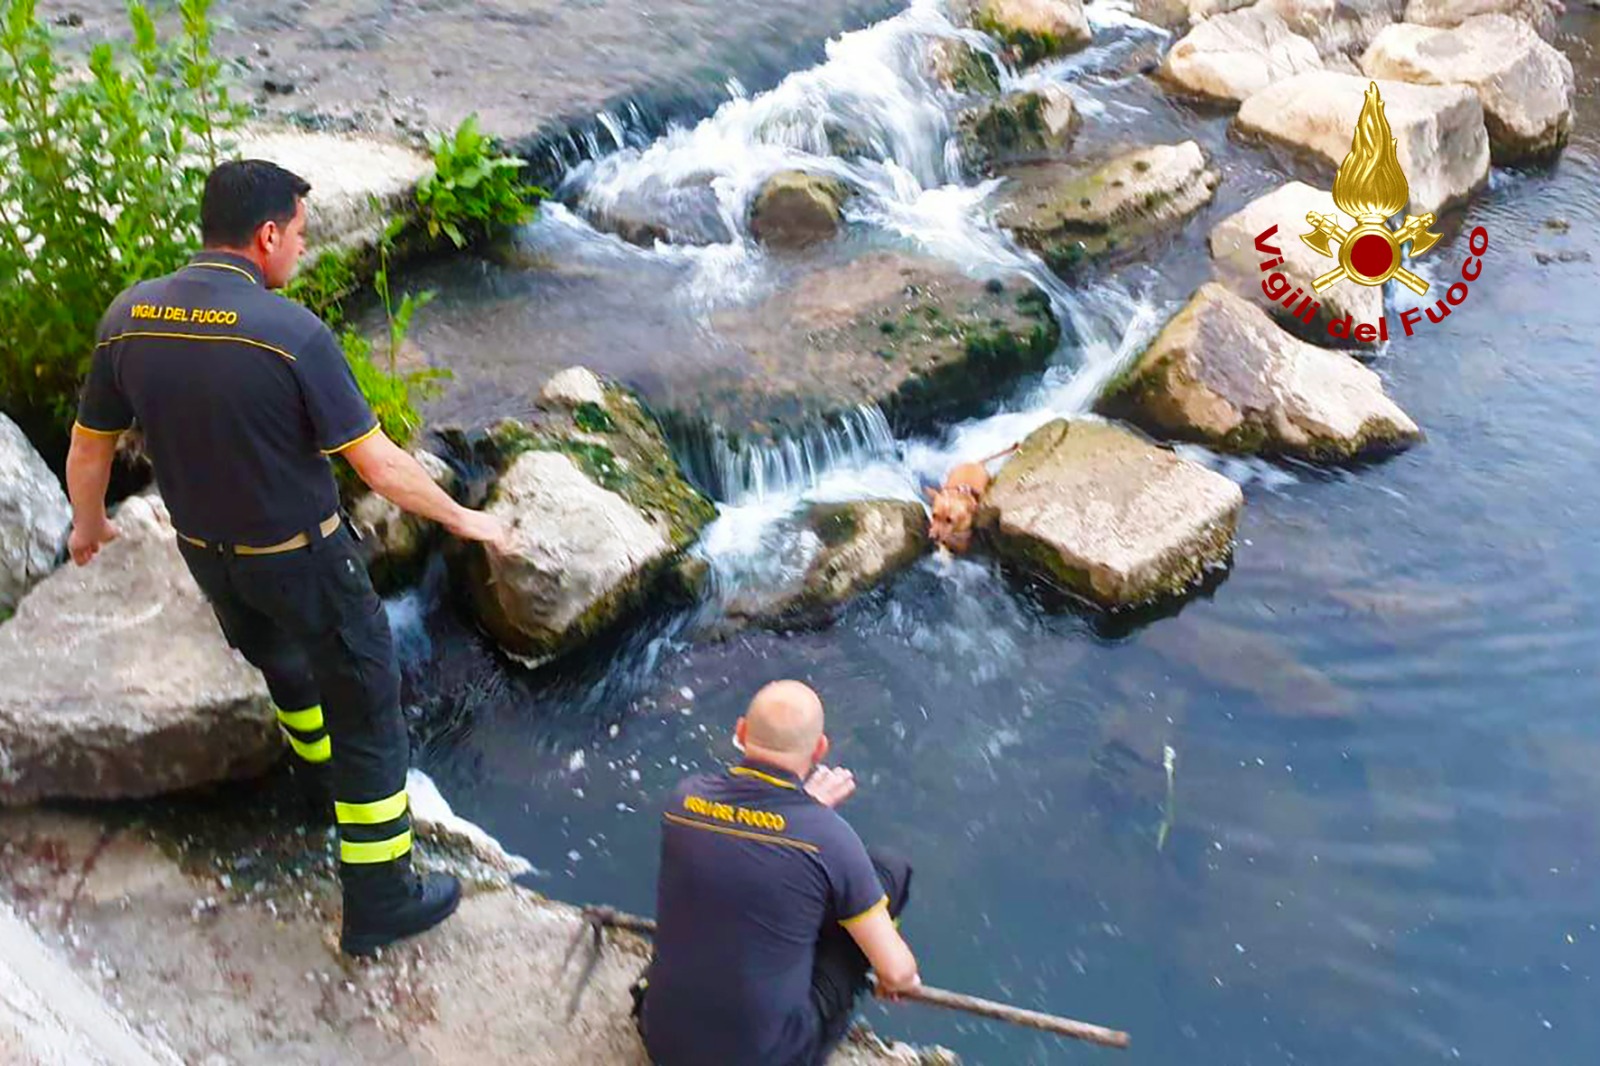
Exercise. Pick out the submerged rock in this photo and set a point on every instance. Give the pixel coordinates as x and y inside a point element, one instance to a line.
<point>1034,29</point>
<point>598,510</point>
<point>1442,144</point>
<point>910,334</point>
<point>1524,83</point>
<point>1338,28</point>
<point>655,211</point>
<point>1023,127</point>
<point>118,681</point>
<point>961,68</point>
<point>853,548</point>
<point>34,516</point>
<point>795,209</point>
<point>1540,14</point>
<point>1233,250</point>
<point>394,543</point>
<point>1069,213</point>
<point>1233,55</point>
<point>1223,374</point>
<point>1095,510</point>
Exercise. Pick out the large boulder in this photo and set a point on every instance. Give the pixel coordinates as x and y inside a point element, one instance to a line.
<point>1069,213</point>
<point>913,335</point>
<point>1442,144</point>
<point>1034,29</point>
<point>850,548</point>
<point>1021,128</point>
<point>1524,83</point>
<point>1337,28</point>
<point>1200,10</point>
<point>118,682</point>
<point>1238,262</point>
<point>1234,55</point>
<point>1097,511</point>
<point>394,543</point>
<point>598,511</point>
<point>795,209</point>
<point>34,516</point>
<point>358,183</point>
<point>1223,374</point>
<point>1540,14</point>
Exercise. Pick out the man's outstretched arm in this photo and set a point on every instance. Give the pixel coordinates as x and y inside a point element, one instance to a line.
<point>395,474</point>
<point>88,474</point>
<point>887,951</point>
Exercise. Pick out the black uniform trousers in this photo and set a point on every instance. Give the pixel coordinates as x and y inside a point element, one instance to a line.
<point>839,973</point>
<point>309,620</point>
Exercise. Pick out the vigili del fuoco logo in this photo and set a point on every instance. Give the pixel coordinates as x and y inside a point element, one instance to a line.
<point>1371,188</point>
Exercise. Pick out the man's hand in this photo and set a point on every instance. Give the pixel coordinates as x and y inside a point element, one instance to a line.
<point>831,786</point>
<point>488,529</point>
<point>894,994</point>
<point>85,542</point>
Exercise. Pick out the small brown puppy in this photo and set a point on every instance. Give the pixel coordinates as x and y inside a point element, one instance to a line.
<point>955,504</point>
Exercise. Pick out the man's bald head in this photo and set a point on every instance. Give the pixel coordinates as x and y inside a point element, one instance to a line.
<point>784,718</point>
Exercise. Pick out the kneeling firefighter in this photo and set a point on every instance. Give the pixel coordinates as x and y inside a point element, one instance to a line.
<point>242,396</point>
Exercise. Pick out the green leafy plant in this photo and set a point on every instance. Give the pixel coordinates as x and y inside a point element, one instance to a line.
<point>473,191</point>
<point>325,285</point>
<point>100,182</point>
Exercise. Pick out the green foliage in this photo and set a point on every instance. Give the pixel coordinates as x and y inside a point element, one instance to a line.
<point>100,182</point>
<point>592,418</point>
<point>473,191</point>
<point>324,285</point>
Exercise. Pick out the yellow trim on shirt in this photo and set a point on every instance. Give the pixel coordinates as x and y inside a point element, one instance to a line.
<point>883,903</point>
<point>195,337</point>
<point>227,266</point>
<point>352,443</point>
<point>100,432</point>
<point>746,771</point>
<point>759,837</point>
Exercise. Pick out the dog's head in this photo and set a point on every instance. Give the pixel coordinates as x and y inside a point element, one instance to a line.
<point>954,512</point>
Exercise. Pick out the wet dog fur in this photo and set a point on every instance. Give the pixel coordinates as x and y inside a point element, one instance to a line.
<point>953,506</point>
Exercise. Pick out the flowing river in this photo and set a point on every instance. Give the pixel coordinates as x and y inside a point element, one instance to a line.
<point>1343,806</point>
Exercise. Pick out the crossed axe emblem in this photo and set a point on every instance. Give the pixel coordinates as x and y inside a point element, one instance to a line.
<point>1414,231</point>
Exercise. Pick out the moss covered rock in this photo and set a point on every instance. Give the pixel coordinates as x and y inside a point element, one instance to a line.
<point>961,68</point>
<point>913,335</point>
<point>599,512</point>
<point>853,548</point>
<point>1223,373</point>
<point>1070,213</point>
<point>1095,510</point>
<point>395,544</point>
<point>1021,128</point>
<point>795,209</point>
<point>1034,29</point>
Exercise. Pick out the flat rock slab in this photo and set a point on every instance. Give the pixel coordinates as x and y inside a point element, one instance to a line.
<point>34,516</point>
<point>1524,83</point>
<point>1540,14</point>
<point>1337,28</point>
<point>1238,263</point>
<point>118,681</point>
<point>387,67</point>
<point>912,335</point>
<point>1442,143</point>
<point>1222,373</point>
<point>1237,54</point>
<point>1072,212</point>
<point>228,951</point>
<point>346,173</point>
<point>1095,510</point>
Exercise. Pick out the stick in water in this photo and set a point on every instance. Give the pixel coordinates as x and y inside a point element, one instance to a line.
<point>933,997</point>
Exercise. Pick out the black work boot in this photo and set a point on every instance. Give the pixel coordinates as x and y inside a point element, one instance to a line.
<point>387,902</point>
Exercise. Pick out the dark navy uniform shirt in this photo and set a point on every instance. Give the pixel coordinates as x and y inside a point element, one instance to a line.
<point>241,394</point>
<point>752,869</point>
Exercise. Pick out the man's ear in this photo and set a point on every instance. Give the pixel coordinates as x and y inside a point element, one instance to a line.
<point>740,728</point>
<point>820,753</point>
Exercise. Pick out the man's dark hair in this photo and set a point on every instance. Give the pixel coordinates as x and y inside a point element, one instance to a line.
<point>244,194</point>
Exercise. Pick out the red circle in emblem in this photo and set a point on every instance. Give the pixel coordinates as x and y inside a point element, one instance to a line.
<point>1371,256</point>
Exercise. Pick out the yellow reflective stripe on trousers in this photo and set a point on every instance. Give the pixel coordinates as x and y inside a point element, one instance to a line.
<point>318,751</point>
<point>307,721</point>
<point>361,851</point>
<point>375,813</point>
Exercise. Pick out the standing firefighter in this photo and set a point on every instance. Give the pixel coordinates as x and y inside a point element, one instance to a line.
<point>242,395</point>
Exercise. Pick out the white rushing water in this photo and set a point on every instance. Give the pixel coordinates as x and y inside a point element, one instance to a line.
<point>874,94</point>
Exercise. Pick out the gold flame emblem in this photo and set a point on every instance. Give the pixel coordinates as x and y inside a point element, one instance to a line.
<point>1370,188</point>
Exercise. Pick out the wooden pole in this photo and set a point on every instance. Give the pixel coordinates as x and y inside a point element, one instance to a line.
<point>933,997</point>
